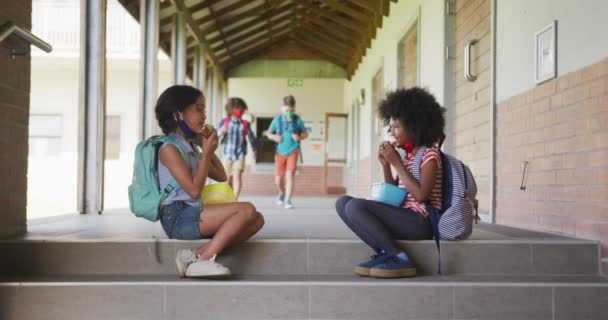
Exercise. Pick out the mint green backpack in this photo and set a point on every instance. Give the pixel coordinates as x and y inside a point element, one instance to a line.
<point>145,195</point>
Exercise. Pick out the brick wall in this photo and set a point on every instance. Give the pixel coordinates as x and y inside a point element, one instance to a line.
<point>309,181</point>
<point>470,111</point>
<point>561,129</point>
<point>14,107</point>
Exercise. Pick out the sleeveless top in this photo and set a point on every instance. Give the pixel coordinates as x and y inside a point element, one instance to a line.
<point>164,176</point>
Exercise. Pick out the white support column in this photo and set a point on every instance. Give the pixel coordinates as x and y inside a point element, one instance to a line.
<point>215,98</point>
<point>200,69</point>
<point>149,18</point>
<point>92,109</point>
<point>178,48</point>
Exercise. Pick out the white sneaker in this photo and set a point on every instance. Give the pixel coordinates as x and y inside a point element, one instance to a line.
<point>288,204</point>
<point>184,258</point>
<point>207,269</point>
<point>280,199</point>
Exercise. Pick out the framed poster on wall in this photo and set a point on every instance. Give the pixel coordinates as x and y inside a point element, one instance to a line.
<point>545,53</point>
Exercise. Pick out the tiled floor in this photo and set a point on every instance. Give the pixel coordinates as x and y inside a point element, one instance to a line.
<point>313,218</point>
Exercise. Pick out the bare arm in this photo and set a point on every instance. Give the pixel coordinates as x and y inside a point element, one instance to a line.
<point>216,169</point>
<point>171,158</point>
<point>421,191</point>
<point>386,169</point>
<point>272,136</point>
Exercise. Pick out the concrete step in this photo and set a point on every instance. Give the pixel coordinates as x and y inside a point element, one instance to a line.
<point>297,257</point>
<point>304,297</point>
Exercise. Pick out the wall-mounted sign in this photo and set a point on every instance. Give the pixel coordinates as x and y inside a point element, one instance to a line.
<point>295,83</point>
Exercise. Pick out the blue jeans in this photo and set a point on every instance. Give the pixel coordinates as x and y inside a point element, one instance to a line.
<point>181,221</point>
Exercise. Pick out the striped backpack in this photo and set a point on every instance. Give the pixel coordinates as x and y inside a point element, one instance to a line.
<point>459,204</point>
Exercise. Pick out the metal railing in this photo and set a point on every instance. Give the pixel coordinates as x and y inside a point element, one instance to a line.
<point>11,28</point>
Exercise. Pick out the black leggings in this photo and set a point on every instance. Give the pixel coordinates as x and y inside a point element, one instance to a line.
<point>379,224</point>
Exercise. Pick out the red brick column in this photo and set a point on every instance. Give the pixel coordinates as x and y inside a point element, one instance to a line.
<point>14,107</point>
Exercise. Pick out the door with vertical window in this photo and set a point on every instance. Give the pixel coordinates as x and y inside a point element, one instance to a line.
<point>336,129</point>
<point>408,58</point>
<point>378,130</point>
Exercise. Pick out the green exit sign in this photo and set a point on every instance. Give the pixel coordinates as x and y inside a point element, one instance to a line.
<point>295,83</point>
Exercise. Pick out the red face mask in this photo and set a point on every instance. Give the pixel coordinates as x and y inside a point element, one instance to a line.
<point>237,113</point>
<point>408,146</point>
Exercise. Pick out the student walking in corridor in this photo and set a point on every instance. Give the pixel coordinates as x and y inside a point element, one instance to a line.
<point>287,130</point>
<point>233,139</point>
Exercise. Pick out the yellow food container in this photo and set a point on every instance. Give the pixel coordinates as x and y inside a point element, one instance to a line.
<point>217,193</point>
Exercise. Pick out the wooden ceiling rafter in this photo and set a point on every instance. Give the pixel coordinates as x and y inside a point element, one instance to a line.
<point>193,28</point>
<point>247,44</point>
<point>335,60</point>
<point>233,32</point>
<point>255,51</point>
<point>223,24</point>
<point>220,14</point>
<point>259,30</point>
<point>324,46</point>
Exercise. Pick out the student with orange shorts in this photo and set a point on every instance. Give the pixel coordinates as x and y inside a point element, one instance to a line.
<point>287,130</point>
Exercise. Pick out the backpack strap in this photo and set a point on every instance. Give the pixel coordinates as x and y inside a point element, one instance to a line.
<point>173,184</point>
<point>294,124</point>
<point>245,128</point>
<point>433,214</point>
<point>418,162</point>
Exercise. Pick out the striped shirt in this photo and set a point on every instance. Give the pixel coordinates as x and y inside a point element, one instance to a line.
<point>436,195</point>
<point>234,145</point>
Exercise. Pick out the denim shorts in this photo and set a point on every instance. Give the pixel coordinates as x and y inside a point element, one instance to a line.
<point>181,221</point>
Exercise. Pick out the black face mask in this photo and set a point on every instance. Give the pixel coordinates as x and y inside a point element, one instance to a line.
<point>182,125</point>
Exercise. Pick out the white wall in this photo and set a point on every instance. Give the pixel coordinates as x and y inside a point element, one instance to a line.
<point>581,38</point>
<point>264,96</point>
<point>384,53</point>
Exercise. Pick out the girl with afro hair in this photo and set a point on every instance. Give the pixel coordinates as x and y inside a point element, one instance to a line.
<point>416,123</point>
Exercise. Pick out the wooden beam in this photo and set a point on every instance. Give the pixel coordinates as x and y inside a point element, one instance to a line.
<point>349,11</point>
<point>203,5</point>
<point>214,15</point>
<point>194,29</point>
<point>386,7</point>
<point>246,44</point>
<point>223,11</point>
<point>252,23</point>
<point>366,4</point>
<point>235,41</point>
<point>219,25</point>
<point>321,54</point>
<point>244,26</point>
<point>321,45</point>
<point>254,51</point>
<point>335,29</point>
<point>353,25</point>
<point>328,37</point>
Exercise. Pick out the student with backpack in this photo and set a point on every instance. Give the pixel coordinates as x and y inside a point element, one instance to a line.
<point>234,133</point>
<point>171,170</point>
<point>287,130</point>
<point>416,122</point>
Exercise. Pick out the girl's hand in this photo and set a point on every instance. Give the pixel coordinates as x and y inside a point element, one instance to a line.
<point>388,152</point>
<point>295,137</point>
<point>383,161</point>
<point>210,144</point>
